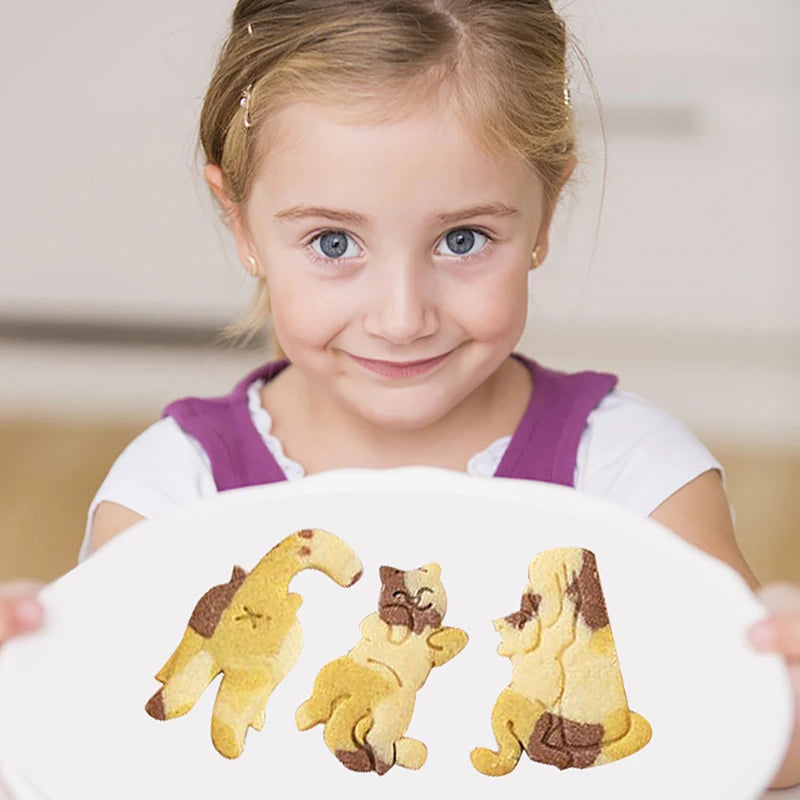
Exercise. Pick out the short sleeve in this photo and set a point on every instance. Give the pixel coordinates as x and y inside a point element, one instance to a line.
<point>160,470</point>
<point>636,454</point>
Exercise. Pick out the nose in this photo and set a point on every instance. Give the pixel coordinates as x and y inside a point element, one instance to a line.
<point>402,303</point>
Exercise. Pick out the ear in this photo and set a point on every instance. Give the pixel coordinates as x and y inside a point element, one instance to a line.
<point>387,573</point>
<point>542,242</point>
<point>233,215</point>
<point>517,641</point>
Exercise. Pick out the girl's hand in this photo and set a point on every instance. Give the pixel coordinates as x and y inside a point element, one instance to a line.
<point>19,609</point>
<point>779,633</point>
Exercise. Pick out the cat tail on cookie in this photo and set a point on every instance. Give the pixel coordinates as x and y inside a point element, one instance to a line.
<point>248,629</point>
<point>513,720</point>
<point>637,736</point>
<point>322,551</point>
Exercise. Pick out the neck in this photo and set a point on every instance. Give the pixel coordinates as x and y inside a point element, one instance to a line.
<point>312,418</point>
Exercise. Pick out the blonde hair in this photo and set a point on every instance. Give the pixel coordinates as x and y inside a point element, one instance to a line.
<point>503,62</point>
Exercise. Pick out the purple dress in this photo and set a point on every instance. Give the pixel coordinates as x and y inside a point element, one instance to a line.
<point>544,446</point>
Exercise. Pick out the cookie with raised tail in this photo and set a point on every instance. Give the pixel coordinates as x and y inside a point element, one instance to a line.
<point>247,629</point>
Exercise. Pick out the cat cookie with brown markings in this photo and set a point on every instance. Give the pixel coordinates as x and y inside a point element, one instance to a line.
<point>366,698</point>
<point>247,629</point>
<point>566,703</point>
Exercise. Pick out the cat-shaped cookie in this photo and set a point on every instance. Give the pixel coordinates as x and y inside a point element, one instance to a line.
<point>366,698</point>
<point>566,703</point>
<point>248,630</point>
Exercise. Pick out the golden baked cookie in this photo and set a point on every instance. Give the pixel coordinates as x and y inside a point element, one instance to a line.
<point>247,629</point>
<point>366,698</point>
<point>566,703</point>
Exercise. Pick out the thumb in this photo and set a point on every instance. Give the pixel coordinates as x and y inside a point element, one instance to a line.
<point>780,597</point>
<point>20,611</point>
<point>780,631</point>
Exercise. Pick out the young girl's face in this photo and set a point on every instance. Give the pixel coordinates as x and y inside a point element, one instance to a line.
<point>396,256</point>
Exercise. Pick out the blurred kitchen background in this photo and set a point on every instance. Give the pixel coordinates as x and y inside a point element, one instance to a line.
<point>679,271</point>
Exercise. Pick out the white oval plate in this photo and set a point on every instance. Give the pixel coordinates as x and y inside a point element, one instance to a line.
<point>72,695</point>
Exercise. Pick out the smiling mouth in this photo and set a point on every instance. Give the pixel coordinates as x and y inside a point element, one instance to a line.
<point>400,369</point>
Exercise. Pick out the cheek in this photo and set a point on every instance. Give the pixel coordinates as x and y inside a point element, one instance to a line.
<point>303,314</point>
<point>495,308</point>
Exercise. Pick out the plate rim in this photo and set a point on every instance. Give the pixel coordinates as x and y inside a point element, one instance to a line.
<point>433,480</point>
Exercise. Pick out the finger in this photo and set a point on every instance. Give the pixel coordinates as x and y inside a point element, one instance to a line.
<point>20,611</point>
<point>779,633</point>
<point>787,636</point>
<point>781,598</point>
<point>11,589</point>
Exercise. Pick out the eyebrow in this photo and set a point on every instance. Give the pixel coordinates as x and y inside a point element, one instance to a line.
<point>301,212</point>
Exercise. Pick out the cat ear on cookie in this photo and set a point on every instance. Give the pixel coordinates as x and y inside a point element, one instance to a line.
<point>518,638</point>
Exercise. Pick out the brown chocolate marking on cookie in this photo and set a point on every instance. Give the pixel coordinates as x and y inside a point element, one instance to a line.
<point>212,604</point>
<point>564,743</point>
<point>305,551</point>
<point>389,610</point>
<point>356,577</point>
<point>539,747</point>
<point>396,605</point>
<point>587,594</point>
<point>530,603</point>
<point>155,706</point>
<point>527,610</point>
<point>358,761</point>
<point>362,760</point>
<point>306,533</point>
<point>425,618</point>
<point>581,734</point>
<point>381,767</point>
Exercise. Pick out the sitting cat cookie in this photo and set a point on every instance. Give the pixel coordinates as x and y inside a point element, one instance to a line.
<point>366,698</point>
<point>566,703</point>
<point>248,630</point>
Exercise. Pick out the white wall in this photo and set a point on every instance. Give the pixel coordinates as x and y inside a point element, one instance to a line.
<point>104,212</point>
<point>693,291</point>
<point>689,287</point>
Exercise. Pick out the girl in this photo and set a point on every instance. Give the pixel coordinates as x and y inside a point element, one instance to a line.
<point>389,172</point>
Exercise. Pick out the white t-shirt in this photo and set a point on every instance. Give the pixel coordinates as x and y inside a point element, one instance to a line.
<point>630,452</point>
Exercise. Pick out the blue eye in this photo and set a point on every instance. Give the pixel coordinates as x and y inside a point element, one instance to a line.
<point>334,245</point>
<point>462,241</point>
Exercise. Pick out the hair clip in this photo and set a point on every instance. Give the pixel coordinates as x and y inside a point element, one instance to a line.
<point>567,96</point>
<point>250,28</point>
<point>245,104</point>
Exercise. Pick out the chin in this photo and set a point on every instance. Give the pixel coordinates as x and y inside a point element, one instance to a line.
<point>403,421</point>
<point>404,416</point>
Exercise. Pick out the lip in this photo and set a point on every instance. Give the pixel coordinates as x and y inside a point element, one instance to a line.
<point>400,369</point>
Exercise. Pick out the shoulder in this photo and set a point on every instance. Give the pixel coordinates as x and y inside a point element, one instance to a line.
<point>163,468</point>
<point>636,453</point>
<point>620,409</point>
<point>161,446</point>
